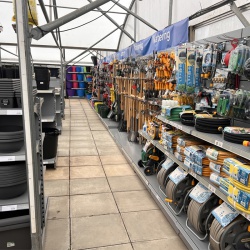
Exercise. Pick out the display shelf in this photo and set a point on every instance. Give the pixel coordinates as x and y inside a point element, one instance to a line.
<point>214,139</point>
<point>18,203</point>
<point>203,180</point>
<point>48,118</point>
<point>76,97</point>
<point>78,72</point>
<point>132,151</point>
<point>51,90</point>
<point>75,81</point>
<point>14,111</point>
<point>17,156</point>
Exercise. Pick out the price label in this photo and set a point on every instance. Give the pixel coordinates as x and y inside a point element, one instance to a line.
<point>9,208</point>
<point>7,158</point>
<point>147,183</point>
<point>179,127</point>
<point>193,174</point>
<point>157,197</point>
<point>14,112</point>
<point>211,188</point>
<point>218,143</point>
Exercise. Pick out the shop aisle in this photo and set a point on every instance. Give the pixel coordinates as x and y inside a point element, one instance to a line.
<point>96,201</point>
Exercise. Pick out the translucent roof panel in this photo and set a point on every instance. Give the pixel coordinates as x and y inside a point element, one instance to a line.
<point>94,26</point>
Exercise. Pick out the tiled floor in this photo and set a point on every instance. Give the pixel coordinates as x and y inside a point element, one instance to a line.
<point>96,201</point>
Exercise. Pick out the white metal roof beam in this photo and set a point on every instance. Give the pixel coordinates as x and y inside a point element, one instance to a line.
<point>135,15</point>
<point>38,32</point>
<point>114,22</point>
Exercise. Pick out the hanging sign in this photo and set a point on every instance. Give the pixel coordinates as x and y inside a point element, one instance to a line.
<point>141,48</point>
<point>169,37</point>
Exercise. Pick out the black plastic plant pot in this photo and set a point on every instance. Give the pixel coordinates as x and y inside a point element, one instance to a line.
<point>11,146</point>
<point>50,143</point>
<point>12,191</point>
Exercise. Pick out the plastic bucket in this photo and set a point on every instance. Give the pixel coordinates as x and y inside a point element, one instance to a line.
<point>68,77</point>
<point>50,143</point>
<point>69,85</point>
<point>89,79</point>
<point>73,69</point>
<point>80,92</point>
<point>74,77</point>
<point>80,77</point>
<point>71,92</point>
<point>89,96</point>
<point>78,69</point>
<point>75,85</point>
<point>81,85</point>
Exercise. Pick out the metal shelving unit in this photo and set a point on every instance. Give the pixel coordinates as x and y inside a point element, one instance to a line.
<point>214,139</point>
<point>18,203</point>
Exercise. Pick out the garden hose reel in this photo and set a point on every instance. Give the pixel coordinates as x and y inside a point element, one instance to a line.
<point>234,236</point>
<point>199,216</point>
<point>177,195</point>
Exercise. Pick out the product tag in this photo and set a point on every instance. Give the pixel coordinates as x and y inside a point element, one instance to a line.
<point>200,193</point>
<point>177,175</point>
<point>11,244</point>
<point>212,154</point>
<point>225,214</point>
<point>14,112</point>
<point>188,163</point>
<point>215,178</point>
<point>168,164</point>
<point>178,156</point>
<point>7,158</point>
<point>215,167</point>
<point>9,208</point>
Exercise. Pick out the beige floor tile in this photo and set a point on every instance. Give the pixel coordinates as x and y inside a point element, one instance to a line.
<point>125,183</point>
<point>115,247</point>
<point>147,225</point>
<point>81,138</point>
<point>118,170</point>
<point>110,160</point>
<point>106,143</point>
<point>89,186</point>
<point>170,243</point>
<point>96,128</point>
<point>58,208</point>
<point>101,136</point>
<point>63,152</point>
<point>57,235</point>
<point>104,150</point>
<point>63,144</point>
<point>82,144</point>
<point>63,138</point>
<point>86,172</point>
<point>81,133</point>
<point>65,132</point>
<point>92,204</point>
<point>87,160</point>
<point>132,201</point>
<point>56,187</point>
<point>82,128</point>
<point>83,125</point>
<point>83,151</point>
<point>57,174</point>
<point>66,127</point>
<point>62,161</point>
<point>97,231</point>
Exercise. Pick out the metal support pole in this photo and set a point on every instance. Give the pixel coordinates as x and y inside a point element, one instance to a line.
<point>85,51</point>
<point>135,23</point>
<point>238,13</point>
<point>38,32</point>
<point>133,14</point>
<point>47,20</point>
<point>114,22</point>
<point>29,122</point>
<point>170,12</point>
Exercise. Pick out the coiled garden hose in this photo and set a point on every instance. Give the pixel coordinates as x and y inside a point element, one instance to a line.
<point>234,236</point>
<point>199,215</point>
<point>176,194</point>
